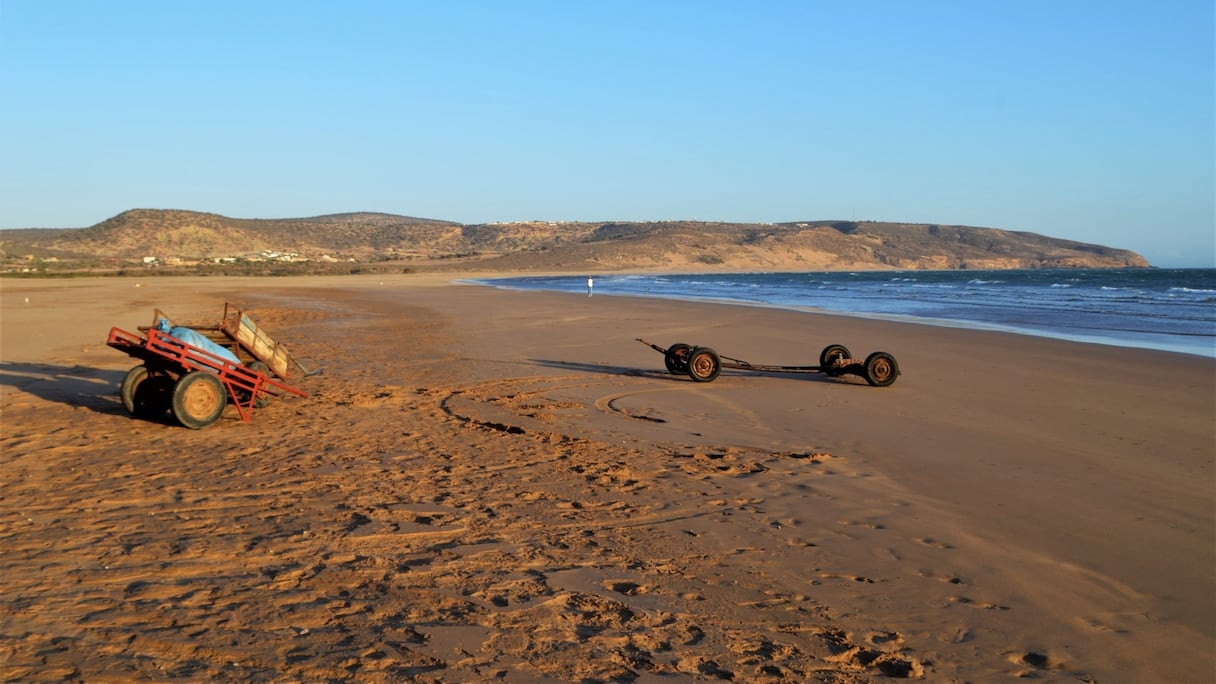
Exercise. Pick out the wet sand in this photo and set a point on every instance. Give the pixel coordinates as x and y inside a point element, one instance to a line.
<point>506,486</point>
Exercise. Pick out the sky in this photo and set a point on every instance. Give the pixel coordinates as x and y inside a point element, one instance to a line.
<point>1090,120</point>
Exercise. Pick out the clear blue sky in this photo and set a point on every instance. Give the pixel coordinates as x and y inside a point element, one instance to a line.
<point>1084,119</point>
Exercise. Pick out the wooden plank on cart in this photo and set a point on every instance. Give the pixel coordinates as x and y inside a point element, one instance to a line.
<point>259,344</point>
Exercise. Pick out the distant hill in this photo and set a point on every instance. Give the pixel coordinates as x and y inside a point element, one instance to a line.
<point>175,238</point>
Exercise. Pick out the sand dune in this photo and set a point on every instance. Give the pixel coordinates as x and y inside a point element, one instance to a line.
<point>490,485</point>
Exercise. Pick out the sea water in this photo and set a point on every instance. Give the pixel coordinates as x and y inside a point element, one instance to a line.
<point>1151,308</point>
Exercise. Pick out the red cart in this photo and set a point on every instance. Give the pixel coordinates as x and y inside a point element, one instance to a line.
<point>191,383</point>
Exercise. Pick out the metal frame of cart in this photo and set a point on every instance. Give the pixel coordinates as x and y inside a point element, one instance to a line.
<point>237,332</point>
<point>703,364</point>
<point>193,384</point>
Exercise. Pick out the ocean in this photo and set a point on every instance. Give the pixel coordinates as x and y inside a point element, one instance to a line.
<point>1165,309</point>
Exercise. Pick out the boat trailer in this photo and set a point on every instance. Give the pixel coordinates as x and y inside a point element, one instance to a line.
<point>703,364</point>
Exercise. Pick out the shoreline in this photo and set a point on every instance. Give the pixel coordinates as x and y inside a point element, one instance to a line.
<point>1110,338</point>
<point>489,483</point>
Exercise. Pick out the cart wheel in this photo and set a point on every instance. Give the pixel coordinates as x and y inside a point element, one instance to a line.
<point>830,355</point>
<point>676,358</point>
<point>703,364</point>
<point>198,399</point>
<point>144,394</point>
<point>263,400</point>
<point>881,369</point>
<point>130,383</point>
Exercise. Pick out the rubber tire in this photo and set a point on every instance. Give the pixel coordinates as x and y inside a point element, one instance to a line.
<point>881,369</point>
<point>676,358</point>
<point>145,394</point>
<point>199,398</point>
<point>829,355</point>
<point>264,400</point>
<point>130,385</point>
<point>704,365</point>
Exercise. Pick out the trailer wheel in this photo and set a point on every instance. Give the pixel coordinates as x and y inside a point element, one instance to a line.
<point>145,394</point>
<point>676,358</point>
<point>830,355</point>
<point>199,399</point>
<point>703,364</point>
<point>881,369</point>
<point>262,400</point>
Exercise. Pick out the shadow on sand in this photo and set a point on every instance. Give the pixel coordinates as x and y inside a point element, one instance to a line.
<point>599,368</point>
<point>77,386</point>
<point>663,374</point>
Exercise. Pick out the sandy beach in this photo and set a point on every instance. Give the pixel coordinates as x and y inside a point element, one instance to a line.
<point>487,485</point>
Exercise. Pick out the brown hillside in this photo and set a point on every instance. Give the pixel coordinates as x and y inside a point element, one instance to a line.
<point>186,237</point>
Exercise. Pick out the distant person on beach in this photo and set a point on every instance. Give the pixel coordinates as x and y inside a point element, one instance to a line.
<point>590,284</point>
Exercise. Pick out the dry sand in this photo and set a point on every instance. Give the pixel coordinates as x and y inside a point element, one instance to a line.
<point>502,486</point>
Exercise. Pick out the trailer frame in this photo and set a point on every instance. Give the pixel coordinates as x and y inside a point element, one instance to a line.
<point>703,364</point>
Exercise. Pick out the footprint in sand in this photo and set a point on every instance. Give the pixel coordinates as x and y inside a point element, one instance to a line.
<point>948,578</point>
<point>887,640</point>
<point>1100,626</point>
<point>860,579</point>
<point>983,605</point>
<point>929,541</point>
<point>844,650</point>
<point>625,587</point>
<point>862,523</point>
<point>1036,659</point>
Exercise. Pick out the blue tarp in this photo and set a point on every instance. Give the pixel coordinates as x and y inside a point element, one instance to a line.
<point>195,338</point>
